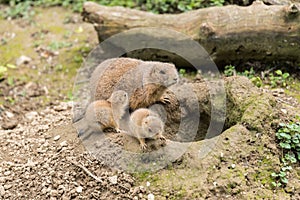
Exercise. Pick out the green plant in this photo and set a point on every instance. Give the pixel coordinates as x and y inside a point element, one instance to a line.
<point>70,96</point>
<point>23,8</point>
<point>182,72</point>
<point>248,73</point>
<point>10,81</point>
<point>229,70</point>
<point>288,136</point>
<point>257,81</point>
<point>278,78</point>
<point>281,177</point>
<point>18,8</point>
<point>59,45</point>
<point>4,69</point>
<point>217,2</point>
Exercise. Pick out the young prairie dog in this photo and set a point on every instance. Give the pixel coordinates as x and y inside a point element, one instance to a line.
<point>103,114</point>
<point>144,81</point>
<point>144,123</point>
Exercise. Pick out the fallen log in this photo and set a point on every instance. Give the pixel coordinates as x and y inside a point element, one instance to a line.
<point>230,34</point>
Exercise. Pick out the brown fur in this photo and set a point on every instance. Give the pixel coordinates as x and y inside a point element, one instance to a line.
<point>144,123</point>
<point>103,114</point>
<point>144,81</point>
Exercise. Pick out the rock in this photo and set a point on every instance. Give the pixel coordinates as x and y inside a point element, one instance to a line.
<point>148,184</point>
<point>284,111</point>
<point>113,179</point>
<point>23,60</point>
<point>79,189</point>
<point>64,143</point>
<point>9,114</point>
<point>150,196</point>
<point>53,193</point>
<point>7,187</point>
<point>142,189</point>
<point>10,124</point>
<point>2,190</point>
<point>7,173</point>
<point>60,107</point>
<point>56,138</point>
<point>31,115</point>
<point>2,179</point>
<point>44,190</point>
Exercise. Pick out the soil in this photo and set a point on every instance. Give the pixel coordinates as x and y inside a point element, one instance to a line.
<point>42,157</point>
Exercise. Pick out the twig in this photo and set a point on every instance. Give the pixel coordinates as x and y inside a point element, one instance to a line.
<point>87,171</point>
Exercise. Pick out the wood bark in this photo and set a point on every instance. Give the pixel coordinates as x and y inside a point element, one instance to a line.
<point>230,34</point>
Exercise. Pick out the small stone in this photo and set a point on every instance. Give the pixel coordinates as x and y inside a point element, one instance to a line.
<point>135,190</point>
<point>135,198</point>
<point>79,189</point>
<point>44,190</point>
<point>284,111</point>
<point>2,190</point>
<point>23,60</point>
<point>31,115</point>
<point>47,136</point>
<point>9,114</point>
<point>289,189</point>
<point>7,187</point>
<point>64,143</point>
<point>215,184</point>
<point>142,189</point>
<point>11,124</point>
<point>53,193</point>
<point>233,166</point>
<point>7,173</point>
<point>113,179</point>
<point>60,108</point>
<point>56,138</point>
<point>150,196</point>
<point>2,179</point>
<point>30,163</point>
<point>147,183</point>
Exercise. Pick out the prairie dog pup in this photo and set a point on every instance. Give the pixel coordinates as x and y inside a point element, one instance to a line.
<point>103,114</point>
<point>144,81</point>
<point>144,123</point>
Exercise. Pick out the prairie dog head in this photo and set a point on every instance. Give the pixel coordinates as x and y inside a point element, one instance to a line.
<point>164,74</point>
<point>119,97</point>
<point>152,126</point>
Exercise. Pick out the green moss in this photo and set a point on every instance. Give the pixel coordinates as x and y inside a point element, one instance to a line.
<point>259,113</point>
<point>57,30</point>
<point>294,89</point>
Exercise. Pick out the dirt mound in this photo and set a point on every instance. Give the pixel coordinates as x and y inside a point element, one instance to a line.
<point>43,158</point>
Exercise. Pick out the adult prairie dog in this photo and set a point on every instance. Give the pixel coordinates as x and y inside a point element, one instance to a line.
<point>103,114</point>
<point>144,81</point>
<point>144,123</point>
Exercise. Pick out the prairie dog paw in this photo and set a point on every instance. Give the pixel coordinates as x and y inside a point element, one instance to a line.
<point>165,100</point>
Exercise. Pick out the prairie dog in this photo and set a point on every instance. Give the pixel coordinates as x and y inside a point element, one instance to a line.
<point>144,81</point>
<point>144,123</point>
<point>104,114</point>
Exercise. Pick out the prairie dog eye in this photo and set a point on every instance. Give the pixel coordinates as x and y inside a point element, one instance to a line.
<point>162,72</point>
